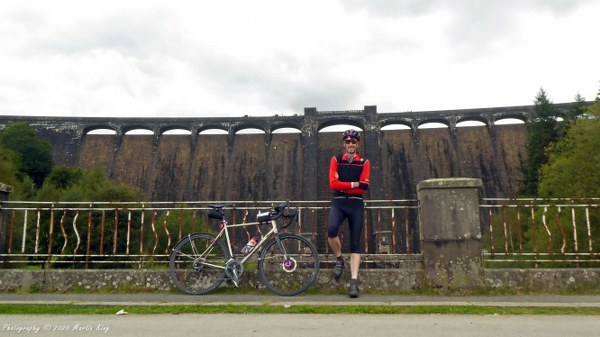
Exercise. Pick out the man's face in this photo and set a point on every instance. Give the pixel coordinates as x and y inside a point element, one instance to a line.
<point>350,145</point>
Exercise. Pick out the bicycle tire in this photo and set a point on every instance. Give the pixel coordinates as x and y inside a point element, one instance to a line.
<point>187,266</point>
<point>292,277</point>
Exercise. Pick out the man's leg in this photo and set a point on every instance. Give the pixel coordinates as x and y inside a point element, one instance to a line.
<point>356,224</point>
<point>354,265</point>
<point>336,245</point>
<point>335,220</point>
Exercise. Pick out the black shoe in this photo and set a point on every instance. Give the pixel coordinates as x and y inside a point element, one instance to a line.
<point>338,268</point>
<point>353,290</point>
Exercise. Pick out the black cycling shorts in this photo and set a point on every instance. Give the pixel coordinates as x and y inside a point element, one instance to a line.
<point>352,209</point>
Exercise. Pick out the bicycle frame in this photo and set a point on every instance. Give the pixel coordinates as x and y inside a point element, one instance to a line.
<point>277,251</point>
<point>225,232</point>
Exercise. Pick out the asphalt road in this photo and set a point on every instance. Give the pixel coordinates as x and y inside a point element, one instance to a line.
<point>292,325</point>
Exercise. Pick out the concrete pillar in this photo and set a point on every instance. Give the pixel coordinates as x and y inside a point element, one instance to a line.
<point>5,190</point>
<point>372,144</point>
<point>450,232</point>
<point>310,136</point>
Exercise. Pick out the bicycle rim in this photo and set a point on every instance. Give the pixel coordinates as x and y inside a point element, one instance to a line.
<point>293,276</point>
<point>193,263</point>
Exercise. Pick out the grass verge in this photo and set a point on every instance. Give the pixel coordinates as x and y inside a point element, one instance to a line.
<point>66,309</point>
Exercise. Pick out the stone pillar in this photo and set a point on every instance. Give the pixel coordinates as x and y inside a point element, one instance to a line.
<point>450,232</point>
<point>372,144</point>
<point>310,145</point>
<point>5,190</point>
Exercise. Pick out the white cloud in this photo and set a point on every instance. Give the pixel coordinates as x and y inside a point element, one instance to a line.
<point>192,58</point>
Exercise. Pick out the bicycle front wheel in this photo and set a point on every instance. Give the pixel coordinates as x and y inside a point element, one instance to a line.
<point>290,266</point>
<point>197,263</point>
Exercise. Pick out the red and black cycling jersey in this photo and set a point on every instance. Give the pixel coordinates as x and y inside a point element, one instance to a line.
<point>343,172</point>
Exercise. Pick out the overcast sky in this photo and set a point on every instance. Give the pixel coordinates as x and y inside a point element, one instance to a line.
<point>234,58</point>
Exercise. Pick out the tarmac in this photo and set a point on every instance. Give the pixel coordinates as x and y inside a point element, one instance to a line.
<point>300,325</point>
<point>168,299</point>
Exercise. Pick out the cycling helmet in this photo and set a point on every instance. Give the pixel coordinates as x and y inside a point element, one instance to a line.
<point>351,134</point>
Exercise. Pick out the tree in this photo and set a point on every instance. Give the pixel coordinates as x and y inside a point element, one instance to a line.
<point>75,184</point>
<point>573,169</point>
<point>34,154</point>
<point>577,111</point>
<point>72,184</point>
<point>542,130</point>
<point>64,177</point>
<point>8,166</point>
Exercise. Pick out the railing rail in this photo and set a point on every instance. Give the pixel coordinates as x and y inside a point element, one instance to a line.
<point>515,232</point>
<point>541,232</point>
<point>141,234</point>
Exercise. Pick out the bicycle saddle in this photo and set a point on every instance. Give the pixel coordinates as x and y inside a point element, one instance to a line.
<point>218,206</point>
<point>216,211</point>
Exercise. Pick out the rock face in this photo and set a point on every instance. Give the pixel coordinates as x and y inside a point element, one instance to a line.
<point>472,152</point>
<point>175,169</point>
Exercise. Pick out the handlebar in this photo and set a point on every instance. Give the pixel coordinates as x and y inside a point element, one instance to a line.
<point>280,211</point>
<point>288,214</point>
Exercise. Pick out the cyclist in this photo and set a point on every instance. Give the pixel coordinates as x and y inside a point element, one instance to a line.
<point>349,180</point>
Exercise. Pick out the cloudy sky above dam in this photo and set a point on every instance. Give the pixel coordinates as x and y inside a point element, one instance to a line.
<point>261,58</point>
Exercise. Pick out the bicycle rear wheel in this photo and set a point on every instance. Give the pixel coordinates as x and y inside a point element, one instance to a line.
<point>197,263</point>
<point>291,276</point>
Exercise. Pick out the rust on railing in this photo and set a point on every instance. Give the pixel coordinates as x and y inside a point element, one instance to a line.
<point>117,233</point>
<point>128,231</point>
<point>102,232</point>
<point>10,232</point>
<point>546,234</point>
<point>531,231</point>
<point>154,232</point>
<point>76,233</point>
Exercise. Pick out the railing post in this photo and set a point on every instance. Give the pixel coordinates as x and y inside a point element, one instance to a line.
<point>450,232</point>
<point>5,190</point>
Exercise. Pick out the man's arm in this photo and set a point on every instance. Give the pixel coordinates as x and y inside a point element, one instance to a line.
<point>334,182</point>
<point>363,184</point>
<point>365,176</point>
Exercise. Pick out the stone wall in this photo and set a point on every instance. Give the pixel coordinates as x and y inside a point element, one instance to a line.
<point>451,258</point>
<point>400,279</point>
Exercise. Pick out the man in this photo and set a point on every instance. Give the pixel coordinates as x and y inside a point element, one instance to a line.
<point>349,180</point>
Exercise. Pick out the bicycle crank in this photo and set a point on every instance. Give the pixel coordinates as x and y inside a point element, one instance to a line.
<point>234,270</point>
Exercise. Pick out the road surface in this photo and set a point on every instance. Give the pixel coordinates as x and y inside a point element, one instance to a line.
<point>296,325</point>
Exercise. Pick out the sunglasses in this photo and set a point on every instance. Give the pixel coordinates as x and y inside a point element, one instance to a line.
<point>350,141</point>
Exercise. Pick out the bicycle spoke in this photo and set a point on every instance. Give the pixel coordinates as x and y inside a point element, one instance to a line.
<point>193,245</point>
<point>294,274</point>
<point>196,264</point>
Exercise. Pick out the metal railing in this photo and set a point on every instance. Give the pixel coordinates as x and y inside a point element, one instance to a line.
<point>541,232</point>
<point>515,232</point>
<point>141,234</point>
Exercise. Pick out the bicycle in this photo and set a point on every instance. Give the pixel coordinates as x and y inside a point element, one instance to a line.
<point>288,264</point>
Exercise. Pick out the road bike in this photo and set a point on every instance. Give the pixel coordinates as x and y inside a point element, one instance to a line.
<point>288,263</point>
